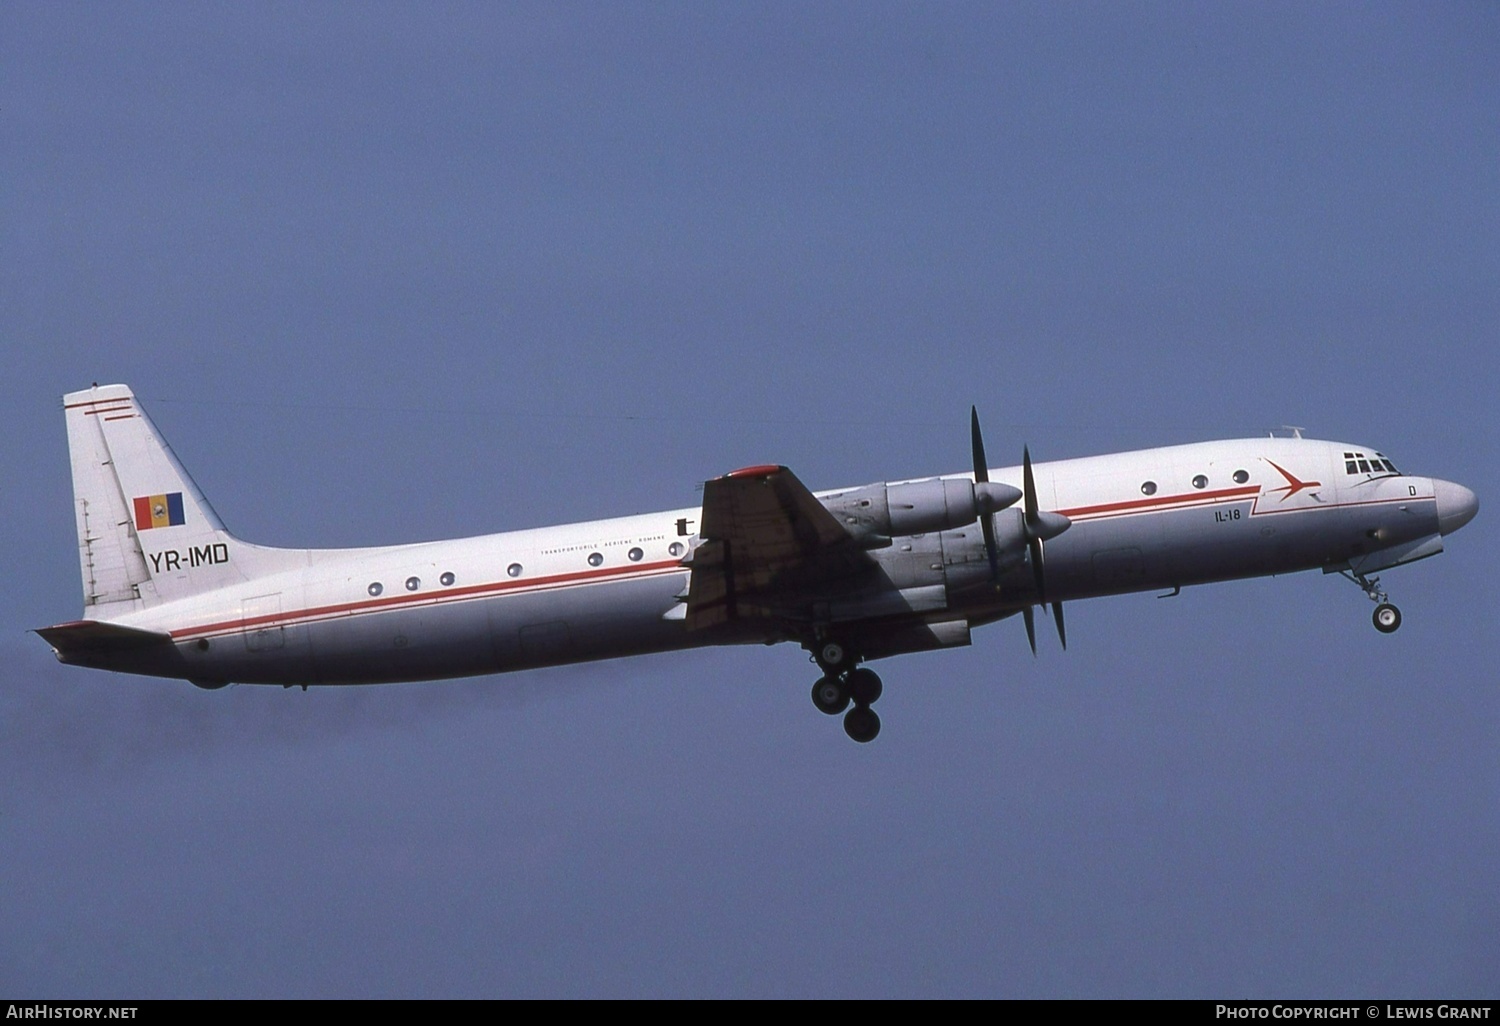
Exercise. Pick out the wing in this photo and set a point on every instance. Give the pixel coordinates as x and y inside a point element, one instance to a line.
<point>769,551</point>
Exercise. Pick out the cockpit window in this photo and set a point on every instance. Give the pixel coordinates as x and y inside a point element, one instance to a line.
<point>1359,463</point>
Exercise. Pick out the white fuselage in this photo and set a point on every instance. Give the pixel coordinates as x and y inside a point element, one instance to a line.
<point>1156,518</point>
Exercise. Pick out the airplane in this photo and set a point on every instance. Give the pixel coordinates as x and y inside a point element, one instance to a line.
<point>851,575</point>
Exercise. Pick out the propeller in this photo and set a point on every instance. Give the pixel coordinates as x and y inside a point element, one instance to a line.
<point>1040,525</point>
<point>1037,524</point>
<point>1033,522</point>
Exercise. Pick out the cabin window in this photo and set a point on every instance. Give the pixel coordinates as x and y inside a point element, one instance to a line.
<point>1241,476</point>
<point>514,570</point>
<point>1200,481</point>
<point>675,548</point>
<point>447,579</point>
<point>375,588</point>
<point>635,555</point>
<point>413,583</point>
<point>1149,488</point>
<point>595,559</point>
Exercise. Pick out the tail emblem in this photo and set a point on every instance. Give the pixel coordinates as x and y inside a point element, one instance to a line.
<point>158,511</point>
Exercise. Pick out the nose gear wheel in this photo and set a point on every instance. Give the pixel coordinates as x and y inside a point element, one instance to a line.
<point>1387,618</point>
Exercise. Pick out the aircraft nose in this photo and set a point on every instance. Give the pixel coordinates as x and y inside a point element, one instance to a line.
<point>1456,505</point>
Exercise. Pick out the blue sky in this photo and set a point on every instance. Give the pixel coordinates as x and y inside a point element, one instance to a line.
<point>388,272</point>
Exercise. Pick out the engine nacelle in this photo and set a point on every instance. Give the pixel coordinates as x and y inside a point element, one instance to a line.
<point>878,512</point>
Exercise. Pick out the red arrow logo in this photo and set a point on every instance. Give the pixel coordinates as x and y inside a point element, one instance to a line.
<point>1293,483</point>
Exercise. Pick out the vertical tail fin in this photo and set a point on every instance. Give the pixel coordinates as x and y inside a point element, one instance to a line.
<point>145,532</point>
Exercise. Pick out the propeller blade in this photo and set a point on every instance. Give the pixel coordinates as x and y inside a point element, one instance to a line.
<point>1028,486</point>
<point>1030,618</point>
<point>1062,633</point>
<point>982,476</point>
<point>981,467</point>
<point>987,525</point>
<point>1036,569</point>
<point>1033,522</point>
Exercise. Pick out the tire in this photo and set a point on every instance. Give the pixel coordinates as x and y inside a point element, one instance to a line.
<point>865,687</point>
<point>1387,618</point>
<point>830,695</point>
<point>861,724</point>
<point>832,655</point>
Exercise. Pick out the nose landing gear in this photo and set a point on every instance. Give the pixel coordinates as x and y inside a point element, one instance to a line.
<point>842,684</point>
<point>1387,617</point>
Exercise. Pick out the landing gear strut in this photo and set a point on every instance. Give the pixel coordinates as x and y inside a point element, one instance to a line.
<point>842,684</point>
<point>1387,617</point>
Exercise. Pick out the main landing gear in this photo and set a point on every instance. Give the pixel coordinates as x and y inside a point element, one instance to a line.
<point>1387,618</point>
<point>842,684</point>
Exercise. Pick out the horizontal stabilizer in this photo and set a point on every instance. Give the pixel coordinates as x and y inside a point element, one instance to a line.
<point>83,641</point>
